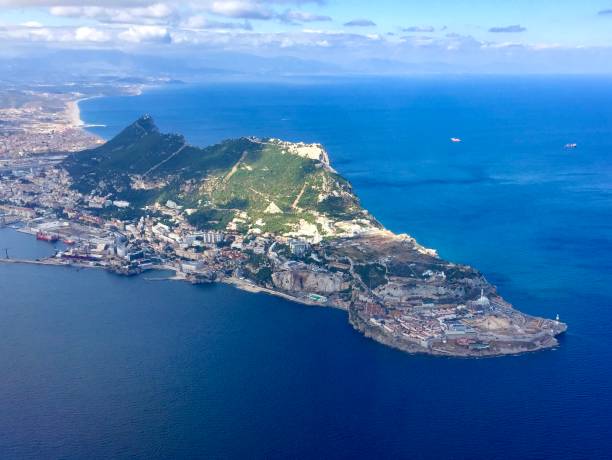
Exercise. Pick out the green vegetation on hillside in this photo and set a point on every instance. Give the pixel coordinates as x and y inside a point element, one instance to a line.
<point>373,275</point>
<point>213,219</point>
<point>261,181</point>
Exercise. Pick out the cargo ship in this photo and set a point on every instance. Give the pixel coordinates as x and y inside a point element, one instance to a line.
<point>42,236</point>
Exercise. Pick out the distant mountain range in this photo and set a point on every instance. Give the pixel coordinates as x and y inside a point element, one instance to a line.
<point>96,64</point>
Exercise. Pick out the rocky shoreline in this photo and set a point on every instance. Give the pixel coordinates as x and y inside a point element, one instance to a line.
<point>266,216</point>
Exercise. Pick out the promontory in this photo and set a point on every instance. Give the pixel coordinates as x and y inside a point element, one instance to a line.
<point>265,215</point>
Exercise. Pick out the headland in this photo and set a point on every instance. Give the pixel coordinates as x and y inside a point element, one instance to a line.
<point>266,216</point>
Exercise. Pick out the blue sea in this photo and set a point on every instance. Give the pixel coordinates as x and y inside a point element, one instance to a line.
<point>93,365</point>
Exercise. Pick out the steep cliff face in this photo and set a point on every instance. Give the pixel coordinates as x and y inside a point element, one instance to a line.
<point>436,288</point>
<point>308,281</point>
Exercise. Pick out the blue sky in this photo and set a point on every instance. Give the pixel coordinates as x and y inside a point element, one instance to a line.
<point>457,33</point>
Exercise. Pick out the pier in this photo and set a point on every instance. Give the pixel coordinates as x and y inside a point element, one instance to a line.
<point>46,261</point>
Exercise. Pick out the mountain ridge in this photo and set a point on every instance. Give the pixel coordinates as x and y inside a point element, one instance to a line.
<point>289,187</point>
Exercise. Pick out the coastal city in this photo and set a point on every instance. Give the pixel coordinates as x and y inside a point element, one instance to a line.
<point>36,122</point>
<point>394,290</point>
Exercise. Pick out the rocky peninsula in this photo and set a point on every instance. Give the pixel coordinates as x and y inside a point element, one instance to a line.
<point>267,215</point>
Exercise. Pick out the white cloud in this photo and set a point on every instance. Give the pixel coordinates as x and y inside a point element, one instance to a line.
<point>195,4</point>
<point>171,13</point>
<point>145,34</point>
<point>35,32</point>
<point>501,45</point>
<point>90,34</point>
<point>292,16</point>
<point>155,13</point>
<point>50,3</point>
<point>31,24</point>
<point>549,46</point>
<point>241,9</point>
<point>27,33</point>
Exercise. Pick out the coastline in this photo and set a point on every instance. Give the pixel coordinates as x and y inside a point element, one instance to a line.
<point>358,325</point>
<point>74,113</point>
<point>237,283</point>
<point>287,292</point>
<point>74,122</point>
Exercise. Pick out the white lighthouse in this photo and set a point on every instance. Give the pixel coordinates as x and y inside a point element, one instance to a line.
<point>483,300</point>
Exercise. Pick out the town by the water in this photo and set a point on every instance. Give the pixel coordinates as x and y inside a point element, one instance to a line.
<point>262,214</point>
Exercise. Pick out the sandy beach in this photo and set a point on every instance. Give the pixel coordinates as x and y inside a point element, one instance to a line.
<point>73,114</point>
<point>73,111</point>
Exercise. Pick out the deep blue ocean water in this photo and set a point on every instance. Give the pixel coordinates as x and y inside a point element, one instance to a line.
<point>98,366</point>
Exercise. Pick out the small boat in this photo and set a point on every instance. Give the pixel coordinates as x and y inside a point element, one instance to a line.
<point>571,146</point>
<point>42,236</point>
<point>456,140</point>
<point>68,241</point>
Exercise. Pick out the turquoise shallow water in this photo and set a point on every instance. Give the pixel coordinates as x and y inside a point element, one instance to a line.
<point>102,366</point>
